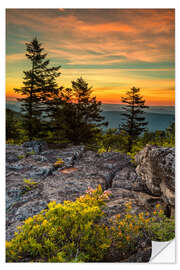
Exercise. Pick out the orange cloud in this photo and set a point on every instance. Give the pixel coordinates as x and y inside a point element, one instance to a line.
<point>107,27</point>
<point>15,57</point>
<point>143,35</point>
<point>102,37</point>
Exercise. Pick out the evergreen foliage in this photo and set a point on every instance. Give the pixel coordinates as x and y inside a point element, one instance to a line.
<point>135,121</point>
<point>39,83</point>
<point>12,131</point>
<point>113,140</point>
<point>75,115</point>
<point>86,117</point>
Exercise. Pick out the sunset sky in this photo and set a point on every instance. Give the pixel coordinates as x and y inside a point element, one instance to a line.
<point>112,49</point>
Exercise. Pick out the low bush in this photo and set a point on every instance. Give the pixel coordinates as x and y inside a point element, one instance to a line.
<point>128,229</point>
<point>28,185</point>
<point>73,231</point>
<point>21,156</point>
<point>31,153</point>
<point>160,227</point>
<point>67,232</point>
<point>58,163</point>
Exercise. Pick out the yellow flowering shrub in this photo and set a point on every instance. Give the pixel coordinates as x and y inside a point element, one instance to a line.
<point>160,227</point>
<point>68,232</point>
<point>58,163</point>
<point>73,231</point>
<point>128,229</point>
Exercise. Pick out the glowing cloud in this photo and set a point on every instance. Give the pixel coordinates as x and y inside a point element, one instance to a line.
<point>113,49</point>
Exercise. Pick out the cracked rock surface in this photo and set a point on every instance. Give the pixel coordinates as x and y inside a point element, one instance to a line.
<point>80,169</point>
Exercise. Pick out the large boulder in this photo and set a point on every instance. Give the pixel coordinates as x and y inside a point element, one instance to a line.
<point>156,167</point>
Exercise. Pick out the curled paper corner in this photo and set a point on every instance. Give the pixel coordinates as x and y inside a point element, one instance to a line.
<point>163,252</point>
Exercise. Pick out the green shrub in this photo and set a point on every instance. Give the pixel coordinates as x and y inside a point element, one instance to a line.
<point>136,147</point>
<point>29,185</point>
<point>112,140</point>
<point>13,141</point>
<point>31,153</point>
<point>67,232</point>
<point>21,156</point>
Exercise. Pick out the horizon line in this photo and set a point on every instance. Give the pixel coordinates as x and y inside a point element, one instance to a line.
<point>103,103</point>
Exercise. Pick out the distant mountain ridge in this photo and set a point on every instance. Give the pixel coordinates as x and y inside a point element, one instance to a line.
<point>158,117</point>
<point>15,106</point>
<point>156,121</point>
<point>151,109</point>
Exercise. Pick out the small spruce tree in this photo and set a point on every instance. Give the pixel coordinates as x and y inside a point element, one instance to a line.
<point>88,116</point>
<point>134,120</point>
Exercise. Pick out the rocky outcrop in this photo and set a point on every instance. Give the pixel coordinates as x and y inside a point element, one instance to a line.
<point>78,170</point>
<point>36,146</point>
<point>156,167</point>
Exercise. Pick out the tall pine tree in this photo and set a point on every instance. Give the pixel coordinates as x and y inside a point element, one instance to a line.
<point>39,84</point>
<point>134,120</point>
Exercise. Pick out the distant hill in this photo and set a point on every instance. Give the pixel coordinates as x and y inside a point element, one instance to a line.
<point>156,121</point>
<point>150,109</point>
<point>13,106</point>
<point>158,117</point>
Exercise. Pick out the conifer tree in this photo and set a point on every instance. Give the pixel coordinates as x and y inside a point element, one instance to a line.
<point>134,120</point>
<point>88,116</point>
<point>39,84</point>
<point>55,109</point>
<point>77,114</point>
